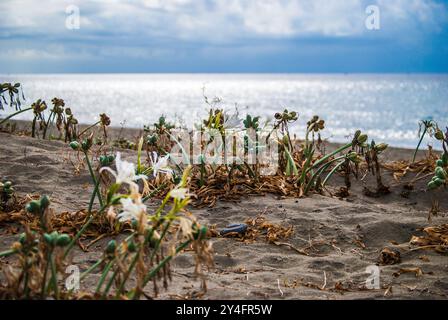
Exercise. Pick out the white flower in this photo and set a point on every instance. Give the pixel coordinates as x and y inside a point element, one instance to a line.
<point>125,171</point>
<point>179,193</point>
<point>232,121</point>
<point>132,209</point>
<point>160,164</point>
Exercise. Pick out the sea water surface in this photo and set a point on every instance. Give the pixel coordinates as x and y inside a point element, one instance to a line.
<point>387,107</point>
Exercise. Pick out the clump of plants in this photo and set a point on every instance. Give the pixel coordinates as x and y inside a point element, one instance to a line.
<point>6,195</point>
<point>14,93</point>
<point>440,177</point>
<point>144,256</point>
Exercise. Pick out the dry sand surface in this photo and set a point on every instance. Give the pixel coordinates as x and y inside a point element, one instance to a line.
<point>346,235</point>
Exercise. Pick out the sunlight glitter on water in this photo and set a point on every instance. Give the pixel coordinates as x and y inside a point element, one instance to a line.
<point>387,107</point>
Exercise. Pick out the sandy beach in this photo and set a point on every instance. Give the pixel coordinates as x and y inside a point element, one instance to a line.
<point>333,240</point>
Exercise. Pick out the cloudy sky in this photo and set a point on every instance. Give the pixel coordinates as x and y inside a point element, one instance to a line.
<point>223,36</point>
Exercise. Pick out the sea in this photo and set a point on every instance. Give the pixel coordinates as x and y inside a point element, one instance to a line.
<point>388,107</point>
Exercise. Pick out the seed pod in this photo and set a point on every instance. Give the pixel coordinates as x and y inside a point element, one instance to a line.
<point>432,185</point>
<point>48,238</point>
<point>63,240</point>
<point>75,145</point>
<point>33,207</point>
<point>440,173</point>
<point>438,182</point>
<point>132,247</point>
<point>200,233</point>
<point>381,147</point>
<point>321,124</point>
<point>111,246</point>
<point>362,138</point>
<point>22,238</point>
<point>439,134</point>
<point>352,156</point>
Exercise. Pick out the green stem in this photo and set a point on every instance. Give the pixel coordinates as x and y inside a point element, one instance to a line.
<point>52,114</point>
<point>14,114</point>
<point>318,162</point>
<point>419,143</point>
<point>93,267</point>
<point>104,275</point>
<point>8,253</point>
<point>100,199</point>
<point>309,154</point>
<point>54,278</point>
<point>26,289</point>
<point>44,281</point>
<point>88,128</point>
<point>92,197</point>
<point>336,167</point>
<point>319,172</point>
<point>111,281</point>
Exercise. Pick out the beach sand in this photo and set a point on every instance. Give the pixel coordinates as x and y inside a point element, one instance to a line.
<point>343,237</point>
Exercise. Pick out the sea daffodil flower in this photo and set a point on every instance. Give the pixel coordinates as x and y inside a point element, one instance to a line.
<point>179,193</point>
<point>160,164</point>
<point>133,209</point>
<point>125,172</point>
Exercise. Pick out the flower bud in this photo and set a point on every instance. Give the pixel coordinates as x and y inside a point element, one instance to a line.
<point>132,247</point>
<point>48,238</point>
<point>86,144</point>
<point>438,182</point>
<point>432,185</point>
<point>439,135</point>
<point>362,138</point>
<point>33,207</point>
<point>353,156</point>
<point>111,246</point>
<point>200,233</point>
<point>63,240</point>
<point>75,145</point>
<point>381,147</point>
<point>440,173</point>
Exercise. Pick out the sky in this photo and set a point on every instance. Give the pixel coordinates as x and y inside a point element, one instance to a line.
<point>237,36</point>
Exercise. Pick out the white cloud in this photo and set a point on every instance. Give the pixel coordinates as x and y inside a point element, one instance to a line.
<point>153,28</point>
<point>217,21</point>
